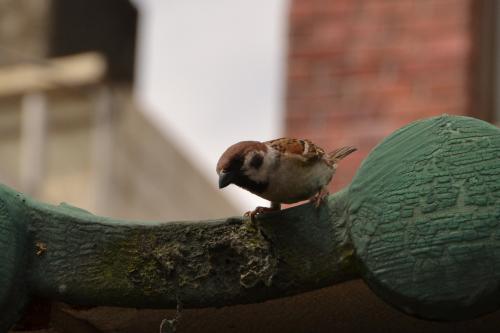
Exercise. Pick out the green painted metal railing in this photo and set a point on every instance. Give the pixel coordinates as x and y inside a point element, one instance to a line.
<point>420,223</point>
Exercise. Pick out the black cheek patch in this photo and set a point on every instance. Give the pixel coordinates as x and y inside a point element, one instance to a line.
<point>256,161</point>
<point>254,187</point>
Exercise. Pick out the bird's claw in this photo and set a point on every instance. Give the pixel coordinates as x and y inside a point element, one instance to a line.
<point>257,211</point>
<point>318,199</point>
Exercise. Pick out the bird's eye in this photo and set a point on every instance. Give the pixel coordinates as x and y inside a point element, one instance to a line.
<point>256,161</point>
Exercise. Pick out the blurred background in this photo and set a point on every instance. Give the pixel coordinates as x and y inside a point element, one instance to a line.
<point>123,107</point>
<point>134,128</point>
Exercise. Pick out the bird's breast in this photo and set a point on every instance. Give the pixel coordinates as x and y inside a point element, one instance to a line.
<point>294,181</point>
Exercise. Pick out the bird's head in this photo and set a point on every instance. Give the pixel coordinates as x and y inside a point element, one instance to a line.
<point>243,164</point>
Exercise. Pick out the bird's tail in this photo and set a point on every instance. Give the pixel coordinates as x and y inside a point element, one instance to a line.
<point>338,154</point>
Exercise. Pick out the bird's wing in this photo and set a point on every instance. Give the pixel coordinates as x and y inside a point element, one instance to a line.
<point>338,154</point>
<point>301,149</point>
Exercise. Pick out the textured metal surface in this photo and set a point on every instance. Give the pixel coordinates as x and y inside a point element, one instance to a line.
<point>13,288</point>
<point>425,213</point>
<point>71,255</point>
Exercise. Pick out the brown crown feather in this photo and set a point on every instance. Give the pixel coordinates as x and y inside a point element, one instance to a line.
<point>238,150</point>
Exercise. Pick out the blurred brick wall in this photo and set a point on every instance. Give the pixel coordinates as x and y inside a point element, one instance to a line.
<point>358,70</point>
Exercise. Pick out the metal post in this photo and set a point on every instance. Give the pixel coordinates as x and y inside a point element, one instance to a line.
<point>103,146</point>
<point>33,141</point>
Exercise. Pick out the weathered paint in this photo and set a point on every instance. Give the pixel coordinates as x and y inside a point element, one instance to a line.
<point>70,255</point>
<point>425,214</point>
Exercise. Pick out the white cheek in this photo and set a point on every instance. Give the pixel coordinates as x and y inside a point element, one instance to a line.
<point>261,174</point>
<point>257,175</point>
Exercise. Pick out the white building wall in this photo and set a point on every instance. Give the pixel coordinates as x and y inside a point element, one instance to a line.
<point>211,73</point>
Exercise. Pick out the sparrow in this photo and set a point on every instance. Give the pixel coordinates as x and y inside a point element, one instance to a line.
<point>284,170</point>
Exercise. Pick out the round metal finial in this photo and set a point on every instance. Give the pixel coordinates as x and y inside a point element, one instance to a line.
<point>425,213</point>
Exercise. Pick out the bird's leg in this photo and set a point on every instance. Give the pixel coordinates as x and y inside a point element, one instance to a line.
<point>275,206</point>
<point>257,211</point>
<point>319,197</point>
<point>260,210</point>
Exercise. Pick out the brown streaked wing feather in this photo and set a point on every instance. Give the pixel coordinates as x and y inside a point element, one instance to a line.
<point>304,149</point>
<point>286,145</point>
<point>313,150</point>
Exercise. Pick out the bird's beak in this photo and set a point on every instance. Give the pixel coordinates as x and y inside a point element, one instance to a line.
<point>225,178</point>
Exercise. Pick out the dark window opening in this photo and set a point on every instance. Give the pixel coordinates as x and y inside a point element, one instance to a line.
<point>107,26</point>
